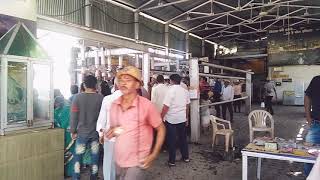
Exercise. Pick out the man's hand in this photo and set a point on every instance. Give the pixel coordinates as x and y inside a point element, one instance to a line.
<point>101,139</point>
<point>74,136</point>
<point>187,122</point>
<point>114,132</point>
<point>147,162</point>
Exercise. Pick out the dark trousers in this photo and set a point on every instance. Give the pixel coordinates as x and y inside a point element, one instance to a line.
<point>216,98</point>
<point>237,104</point>
<point>268,104</point>
<point>228,106</point>
<point>174,131</point>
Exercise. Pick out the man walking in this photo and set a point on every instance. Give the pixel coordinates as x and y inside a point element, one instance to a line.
<point>175,112</point>
<point>227,95</point>
<point>103,124</point>
<point>159,93</point>
<point>84,114</point>
<point>312,101</point>
<point>270,92</point>
<point>133,119</point>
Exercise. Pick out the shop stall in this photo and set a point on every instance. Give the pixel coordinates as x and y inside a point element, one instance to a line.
<point>26,82</point>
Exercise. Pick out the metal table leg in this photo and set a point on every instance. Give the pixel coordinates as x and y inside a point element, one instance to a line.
<point>244,167</point>
<point>259,169</point>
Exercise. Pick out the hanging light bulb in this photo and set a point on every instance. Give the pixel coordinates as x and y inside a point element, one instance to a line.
<point>206,28</point>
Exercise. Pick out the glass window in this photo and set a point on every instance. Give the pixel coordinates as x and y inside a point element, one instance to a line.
<point>41,91</point>
<point>17,92</point>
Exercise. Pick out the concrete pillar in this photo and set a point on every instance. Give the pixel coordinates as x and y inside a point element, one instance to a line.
<point>109,60</point>
<point>96,59</point>
<point>87,19</point>
<point>166,39</point>
<point>194,106</point>
<point>136,26</point>
<point>249,92</point>
<point>103,57</point>
<point>137,62</point>
<point>120,65</point>
<point>178,65</point>
<point>151,63</point>
<point>187,46</point>
<point>146,69</point>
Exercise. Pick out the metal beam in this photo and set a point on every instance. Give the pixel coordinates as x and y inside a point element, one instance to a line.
<point>165,5</point>
<point>54,25</point>
<point>239,34</point>
<point>145,4</point>
<point>255,19</point>
<point>225,5</point>
<point>238,10</point>
<point>190,10</point>
<point>206,23</point>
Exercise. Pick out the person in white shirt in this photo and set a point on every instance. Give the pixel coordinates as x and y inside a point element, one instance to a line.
<point>103,124</point>
<point>158,93</point>
<point>227,95</point>
<point>175,112</point>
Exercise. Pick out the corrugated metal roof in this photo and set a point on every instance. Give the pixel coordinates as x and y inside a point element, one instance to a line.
<point>301,13</point>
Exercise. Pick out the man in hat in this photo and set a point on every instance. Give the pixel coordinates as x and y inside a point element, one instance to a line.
<point>133,119</point>
<point>227,95</point>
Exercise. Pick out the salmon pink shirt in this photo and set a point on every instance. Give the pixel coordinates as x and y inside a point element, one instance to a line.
<point>138,122</point>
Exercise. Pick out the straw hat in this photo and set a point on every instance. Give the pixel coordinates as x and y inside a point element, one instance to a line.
<point>131,71</point>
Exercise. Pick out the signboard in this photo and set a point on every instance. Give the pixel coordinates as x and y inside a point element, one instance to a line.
<point>24,9</point>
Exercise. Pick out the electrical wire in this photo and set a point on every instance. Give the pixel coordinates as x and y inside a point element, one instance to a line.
<point>105,13</point>
<point>182,40</point>
<point>66,14</point>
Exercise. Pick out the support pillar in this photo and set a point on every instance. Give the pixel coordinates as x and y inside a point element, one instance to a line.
<point>146,69</point>
<point>249,92</point>
<point>109,60</point>
<point>187,46</point>
<point>120,65</point>
<point>87,19</point>
<point>136,26</point>
<point>137,62</point>
<point>194,106</point>
<point>151,63</point>
<point>96,59</point>
<point>103,57</point>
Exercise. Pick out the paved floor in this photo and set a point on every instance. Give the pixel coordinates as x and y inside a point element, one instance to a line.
<point>208,165</point>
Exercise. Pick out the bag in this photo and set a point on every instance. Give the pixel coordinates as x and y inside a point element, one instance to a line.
<point>262,105</point>
<point>315,172</point>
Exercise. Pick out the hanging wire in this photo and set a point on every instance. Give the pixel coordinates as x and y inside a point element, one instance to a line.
<point>105,13</point>
<point>69,13</point>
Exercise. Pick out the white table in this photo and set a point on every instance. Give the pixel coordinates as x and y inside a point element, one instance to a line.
<point>267,155</point>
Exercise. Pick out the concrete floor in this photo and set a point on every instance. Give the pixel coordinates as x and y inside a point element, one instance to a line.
<point>208,165</point>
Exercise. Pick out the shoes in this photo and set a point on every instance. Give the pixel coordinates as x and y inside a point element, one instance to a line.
<point>186,160</point>
<point>171,164</point>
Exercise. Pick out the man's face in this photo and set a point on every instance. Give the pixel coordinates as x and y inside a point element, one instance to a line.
<point>127,84</point>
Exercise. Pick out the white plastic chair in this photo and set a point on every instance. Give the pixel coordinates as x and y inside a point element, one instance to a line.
<point>227,132</point>
<point>260,121</point>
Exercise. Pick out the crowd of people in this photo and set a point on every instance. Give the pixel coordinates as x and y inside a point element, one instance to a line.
<point>127,126</point>
<point>132,125</point>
